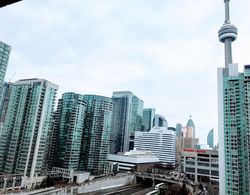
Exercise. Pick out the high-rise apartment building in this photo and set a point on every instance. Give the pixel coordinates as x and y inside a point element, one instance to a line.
<point>159,140</point>
<point>4,58</point>
<point>53,142</point>
<point>127,118</point>
<point>234,115</point>
<point>234,108</point>
<point>68,129</point>
<point>210,138</point>
<point>96,134</point>
<point>147,120</point>
<point>25,135</point>
<point>4,101</point>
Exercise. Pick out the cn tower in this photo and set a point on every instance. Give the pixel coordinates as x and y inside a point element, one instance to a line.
<point>227,34</point>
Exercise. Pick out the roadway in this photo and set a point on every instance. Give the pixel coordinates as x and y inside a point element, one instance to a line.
<point>125,190</point>
<point>138,190</point>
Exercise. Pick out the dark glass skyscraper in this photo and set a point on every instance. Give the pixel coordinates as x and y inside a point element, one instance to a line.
<point>127,118</point>
<point>121,120</point>
<point>148,116</point>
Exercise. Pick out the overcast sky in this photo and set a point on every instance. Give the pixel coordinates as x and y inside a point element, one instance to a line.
<point>165,52</point>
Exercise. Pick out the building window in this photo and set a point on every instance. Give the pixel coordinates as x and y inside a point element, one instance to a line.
<point>216,173</point>
<point>203,171</point>
<point>189,169</point>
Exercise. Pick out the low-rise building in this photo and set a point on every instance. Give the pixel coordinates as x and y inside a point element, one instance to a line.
<point>189,142</point>
<point>73,176</point>
<point>134,160</point>
<point>201,165</point>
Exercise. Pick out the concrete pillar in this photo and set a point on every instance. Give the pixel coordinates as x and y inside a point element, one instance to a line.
<point>153,185</point>
<point>14,182</point>
<point>5,183</point>
<point>196,178</point>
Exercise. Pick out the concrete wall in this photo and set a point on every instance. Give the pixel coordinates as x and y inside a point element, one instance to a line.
<point>144,167</point>
<point>96,185</point>
<point>81,176</point>
<point>105,183</point>
<point>32,182</point>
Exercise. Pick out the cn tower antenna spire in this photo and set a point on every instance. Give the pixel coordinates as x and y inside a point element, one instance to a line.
<point>227,14</point>
<point>227,34</point>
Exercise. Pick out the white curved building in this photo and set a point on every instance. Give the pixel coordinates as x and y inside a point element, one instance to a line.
<point>160,141</point>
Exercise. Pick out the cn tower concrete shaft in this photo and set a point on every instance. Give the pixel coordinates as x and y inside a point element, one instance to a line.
<point>227,34</point>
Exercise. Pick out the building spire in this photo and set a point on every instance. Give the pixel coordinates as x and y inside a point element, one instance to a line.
<point>227,14</point>
<point>227,34</point>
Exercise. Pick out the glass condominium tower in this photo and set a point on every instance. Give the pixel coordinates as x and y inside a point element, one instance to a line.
<point>234,117</point>
<point>68,130</point>
<point>25,135</point>
<point>6,89</point>
<point>4,58</point>
<point>96,133</point>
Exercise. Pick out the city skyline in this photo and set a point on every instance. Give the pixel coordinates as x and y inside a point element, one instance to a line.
<point>97,48</point>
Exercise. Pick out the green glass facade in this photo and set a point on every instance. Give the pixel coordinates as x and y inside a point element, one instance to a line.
<point>68,128</point>
<point>96,134</point>
<point>137,115</point>
<point>5,100</point>
<point>236,108</point>
<point>6,89</point>
<point>147,120</point>
<point>4,58</point>
<point>136,119</point>
<point>210,138</point>
<point>25,135</point>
